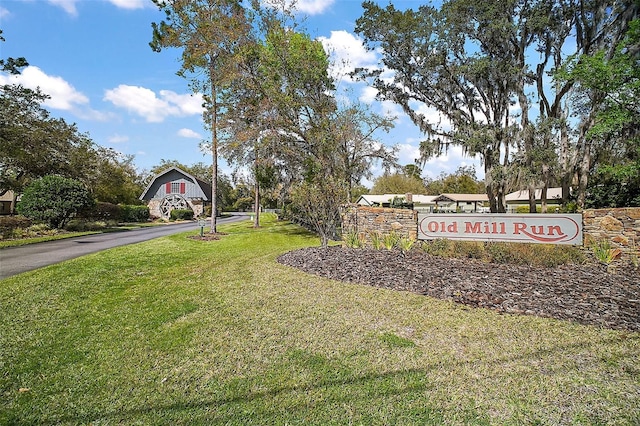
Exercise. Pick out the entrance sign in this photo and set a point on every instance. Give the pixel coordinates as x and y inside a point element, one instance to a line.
<point>521,228</point>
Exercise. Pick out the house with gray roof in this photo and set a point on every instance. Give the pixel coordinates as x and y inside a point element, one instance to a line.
<point>176,189</point>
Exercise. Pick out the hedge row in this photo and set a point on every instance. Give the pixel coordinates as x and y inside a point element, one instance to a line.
<point>119,212</point>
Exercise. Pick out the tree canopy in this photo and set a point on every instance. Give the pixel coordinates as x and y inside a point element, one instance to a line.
<point>472,62</point>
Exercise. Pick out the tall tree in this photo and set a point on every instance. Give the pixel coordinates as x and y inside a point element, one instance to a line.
<point>434,66</point>
<point>114,179</point>
<point>398,183</point>
<point>34,144</point>
<point>607,87</point>
<point>462,181</point>
<point>472,62</point>
<point>210,34</point>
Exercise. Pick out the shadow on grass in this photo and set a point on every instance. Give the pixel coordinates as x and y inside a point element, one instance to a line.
<point>221,410</point>
<point>361,392</point>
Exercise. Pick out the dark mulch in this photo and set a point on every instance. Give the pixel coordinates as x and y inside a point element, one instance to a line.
<point>585,294</point>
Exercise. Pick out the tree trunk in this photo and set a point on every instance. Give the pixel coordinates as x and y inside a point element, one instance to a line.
<point>256,200</point>
<point>214,153</point>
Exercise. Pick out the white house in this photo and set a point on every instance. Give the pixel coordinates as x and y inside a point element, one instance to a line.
<point>521,198</point>
<point>421,203</point>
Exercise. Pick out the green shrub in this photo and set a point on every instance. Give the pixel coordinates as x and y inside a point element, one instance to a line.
<point>55,200</point>
<point>133,213</point>
<point>498,252</point>
<point>603,251</point>
<point>9,223</point>
<point>87,225</point>
<point>106,211</point>
<point>437,247</point>
<point>181,214</point>
<point>468,249</point>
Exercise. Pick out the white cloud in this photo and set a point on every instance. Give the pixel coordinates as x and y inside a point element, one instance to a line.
<point>347,53</point>
<point>116,139</point>
<point>408,153</point>
<point>450,161</point>
<point>188,133</point>
<point>128,4</point>
<point>4,13</point>
<point>63,95</point>
<point>188,104</point>
<point>154,109</point>
<point>311,7</point>
<point>368,95</point>
<point>68,6</point>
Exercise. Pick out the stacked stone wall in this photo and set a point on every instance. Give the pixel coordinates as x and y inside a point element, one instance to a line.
<point>366,220</point>
<point>620,226</point>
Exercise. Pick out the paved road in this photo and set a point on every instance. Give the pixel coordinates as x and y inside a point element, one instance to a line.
<point>15,260</point>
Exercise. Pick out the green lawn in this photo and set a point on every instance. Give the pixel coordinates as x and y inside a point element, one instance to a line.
<point>178,331</point>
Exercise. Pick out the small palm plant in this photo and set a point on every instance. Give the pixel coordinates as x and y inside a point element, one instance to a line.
<point>390,240</point>
<point>353,240</point>
<point>376,239</point>
<point>604,253</point>
<point>406,243</point>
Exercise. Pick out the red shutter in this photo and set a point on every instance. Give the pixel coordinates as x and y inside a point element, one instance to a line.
<point>182,188</point>
<point>168,187</point>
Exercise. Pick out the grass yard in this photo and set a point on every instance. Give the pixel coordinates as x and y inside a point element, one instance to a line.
<point>178,331</point>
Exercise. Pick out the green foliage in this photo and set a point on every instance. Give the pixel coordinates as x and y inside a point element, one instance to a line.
<point>54,200</point>
<point>397,184</point>
<point>88,225</point>
<point>181,214</point>
<point>405,243</point>
<point>437,247</point>
<point>603,251</point>
<point>463,181</point>
<point>9,223</point>
<point>353,239</point>
<point>376,239</point>
<point>547,255</point>
<point>390,240</point>
<point>119,212</point>
<point>134,213</point>
<point>243,204</point>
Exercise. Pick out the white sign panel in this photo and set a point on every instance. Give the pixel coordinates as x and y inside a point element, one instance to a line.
<point>521,228</point>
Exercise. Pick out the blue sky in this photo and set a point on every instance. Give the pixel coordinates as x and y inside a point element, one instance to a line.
<point>93,58</point>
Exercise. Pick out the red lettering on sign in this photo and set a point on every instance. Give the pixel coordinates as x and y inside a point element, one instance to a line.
<point>537,232</point>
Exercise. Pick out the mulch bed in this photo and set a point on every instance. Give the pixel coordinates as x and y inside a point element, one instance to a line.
<point>587,294</point>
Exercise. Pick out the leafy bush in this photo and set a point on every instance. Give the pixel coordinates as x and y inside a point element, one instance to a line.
<point>469,249</point>
<point>106,211</point>
<point>132,213</point>
<point>9,223</point>
<point>54,199</point>
<point>437,247</point>
<point>88,225</point>
<point>502,253</point>
<point>181,214</point>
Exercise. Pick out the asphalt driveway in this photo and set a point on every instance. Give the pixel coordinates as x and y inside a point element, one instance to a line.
<point>15,260</point>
